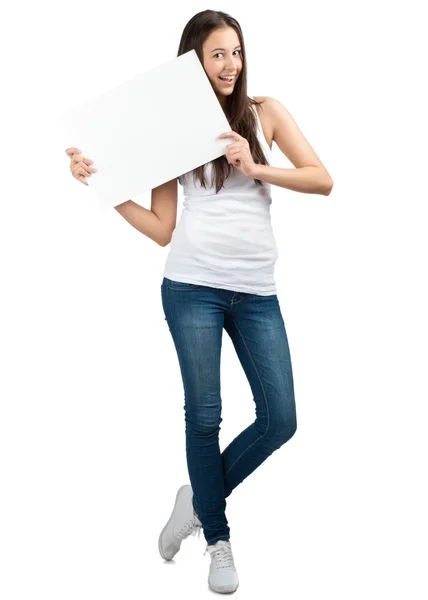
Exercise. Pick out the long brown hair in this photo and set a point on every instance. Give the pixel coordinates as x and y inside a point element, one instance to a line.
<point>238,109</point>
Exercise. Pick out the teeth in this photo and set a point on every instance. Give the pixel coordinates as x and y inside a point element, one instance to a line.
<point>227,78</point>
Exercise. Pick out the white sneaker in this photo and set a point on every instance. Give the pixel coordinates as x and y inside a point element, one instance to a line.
<point>222,577</point>
<point>180,525</point>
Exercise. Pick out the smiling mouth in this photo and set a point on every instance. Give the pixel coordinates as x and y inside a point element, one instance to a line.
<point>227,82</point>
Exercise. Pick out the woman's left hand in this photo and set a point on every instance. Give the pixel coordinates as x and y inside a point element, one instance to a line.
<point>238,153</point>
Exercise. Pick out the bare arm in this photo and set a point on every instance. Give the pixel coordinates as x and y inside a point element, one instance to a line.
<point>144,220</point>
<point>159,221</point>
<point>309,175</point>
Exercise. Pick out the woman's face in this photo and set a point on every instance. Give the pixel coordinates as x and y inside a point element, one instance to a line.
<point>222,56</point>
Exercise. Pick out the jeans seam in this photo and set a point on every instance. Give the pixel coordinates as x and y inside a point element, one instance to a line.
<point>173,329</point>
<point>264,396</point>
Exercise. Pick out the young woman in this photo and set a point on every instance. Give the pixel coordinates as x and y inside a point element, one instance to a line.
<point>219,274</point>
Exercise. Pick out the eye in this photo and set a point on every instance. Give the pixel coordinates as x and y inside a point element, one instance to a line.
<point>240,52</point>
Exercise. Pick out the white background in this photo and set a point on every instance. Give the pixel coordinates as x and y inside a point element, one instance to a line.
<point>92,438</point>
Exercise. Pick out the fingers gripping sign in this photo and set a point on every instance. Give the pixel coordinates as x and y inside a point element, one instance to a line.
<point>238,153</point>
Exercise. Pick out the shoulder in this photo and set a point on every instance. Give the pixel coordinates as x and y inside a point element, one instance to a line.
<point>269,106</point>
<point>276,115</point>
<point>264,101</point>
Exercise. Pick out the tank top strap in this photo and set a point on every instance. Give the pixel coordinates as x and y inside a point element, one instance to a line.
<point>260,129</point>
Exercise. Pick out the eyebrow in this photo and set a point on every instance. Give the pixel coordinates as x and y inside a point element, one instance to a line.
<point>224,49</point>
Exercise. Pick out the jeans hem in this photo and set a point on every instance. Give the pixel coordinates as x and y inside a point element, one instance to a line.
<point>211,543</point>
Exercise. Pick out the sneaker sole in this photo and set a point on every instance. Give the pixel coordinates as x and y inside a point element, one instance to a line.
<point>167,523</point>
<point>223,589</point>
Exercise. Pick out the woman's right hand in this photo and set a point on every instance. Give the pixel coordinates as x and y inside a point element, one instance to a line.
<point>79,165</point>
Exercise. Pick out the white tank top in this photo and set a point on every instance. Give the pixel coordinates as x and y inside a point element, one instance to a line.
<point>225,240</point>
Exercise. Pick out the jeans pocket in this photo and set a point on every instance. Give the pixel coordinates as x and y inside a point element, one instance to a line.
<point>181,285</point>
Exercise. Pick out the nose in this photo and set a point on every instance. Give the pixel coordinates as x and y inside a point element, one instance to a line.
<point>230,64</point>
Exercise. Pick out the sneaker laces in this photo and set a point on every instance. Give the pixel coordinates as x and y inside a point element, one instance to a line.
<point>191,527</point>
<point>223,557</point>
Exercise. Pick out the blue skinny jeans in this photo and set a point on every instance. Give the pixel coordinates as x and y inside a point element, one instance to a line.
<point>196,316</point>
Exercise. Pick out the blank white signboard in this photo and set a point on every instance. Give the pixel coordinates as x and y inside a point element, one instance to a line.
<point>149,130</point>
